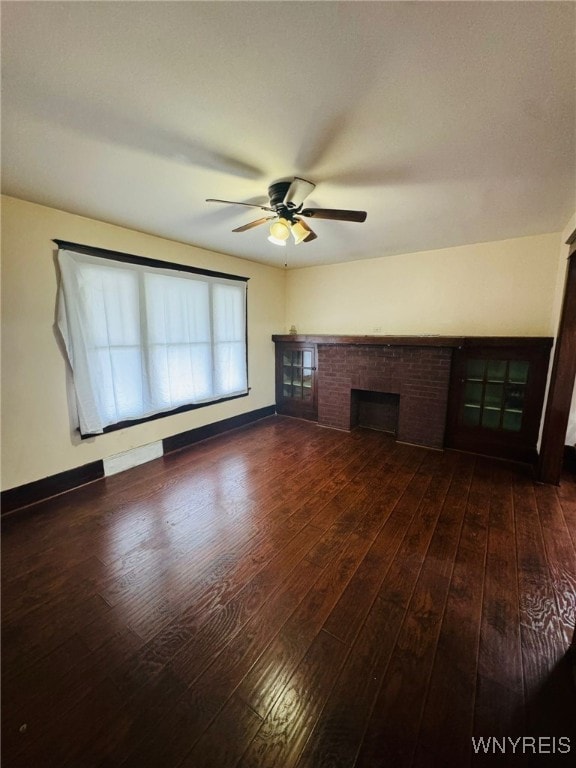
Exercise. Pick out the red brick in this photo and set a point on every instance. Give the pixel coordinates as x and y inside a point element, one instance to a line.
<point>419,375</point>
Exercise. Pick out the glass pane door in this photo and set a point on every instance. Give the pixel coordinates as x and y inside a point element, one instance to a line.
<point>494,394</point>
<point>297,374</point>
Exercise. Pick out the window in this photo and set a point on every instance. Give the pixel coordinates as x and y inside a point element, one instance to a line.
<point>145,338</point>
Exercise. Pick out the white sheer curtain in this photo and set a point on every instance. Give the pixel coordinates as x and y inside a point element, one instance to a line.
<point>143,340</point>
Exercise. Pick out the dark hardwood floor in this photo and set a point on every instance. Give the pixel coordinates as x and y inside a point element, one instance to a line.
<point>291,596</point>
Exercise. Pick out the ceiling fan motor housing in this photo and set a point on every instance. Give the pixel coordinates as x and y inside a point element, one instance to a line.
<point>277,192</point>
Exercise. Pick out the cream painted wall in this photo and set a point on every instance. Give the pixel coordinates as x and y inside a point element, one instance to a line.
<point>571,431</point>
<point>37,437</point>
<point>498,288</point>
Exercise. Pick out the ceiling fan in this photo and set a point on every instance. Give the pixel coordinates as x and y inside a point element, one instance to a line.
<point>287,205</point>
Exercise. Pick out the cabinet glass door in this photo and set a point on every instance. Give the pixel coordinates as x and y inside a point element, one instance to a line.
<point>297,373</point>
<point>296,384</point>
<point>494,394</point>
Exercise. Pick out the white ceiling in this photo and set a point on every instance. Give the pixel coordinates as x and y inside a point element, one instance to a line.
<point>449,123</point>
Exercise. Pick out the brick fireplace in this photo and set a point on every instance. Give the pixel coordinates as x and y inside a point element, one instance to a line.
<point>418,375</point>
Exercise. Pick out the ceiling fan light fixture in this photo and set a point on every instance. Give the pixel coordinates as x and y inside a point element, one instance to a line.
<point>280,229</point>
<point>276,240</point>
<point>300,231</point>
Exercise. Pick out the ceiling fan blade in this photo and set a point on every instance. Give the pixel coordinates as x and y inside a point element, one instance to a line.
<point>298,191</point>
<point>251,224</point>
<point>302,225</point>
<point>333,213</point>
<point>235,202</point>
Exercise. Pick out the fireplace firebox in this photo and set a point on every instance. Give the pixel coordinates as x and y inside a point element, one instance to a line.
<point>375,410</point>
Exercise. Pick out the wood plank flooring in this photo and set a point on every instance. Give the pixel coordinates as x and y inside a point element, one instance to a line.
<point>287,596</point>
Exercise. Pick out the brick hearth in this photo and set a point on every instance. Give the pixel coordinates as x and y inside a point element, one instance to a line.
<point>420,375</point>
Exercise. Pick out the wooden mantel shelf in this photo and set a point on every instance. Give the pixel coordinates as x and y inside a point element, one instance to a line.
<point>414,341</point>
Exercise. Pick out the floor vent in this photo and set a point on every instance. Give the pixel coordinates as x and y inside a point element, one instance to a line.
<point>132,458</point>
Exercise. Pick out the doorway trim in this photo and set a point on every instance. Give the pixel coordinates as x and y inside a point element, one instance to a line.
<point>561,380</point>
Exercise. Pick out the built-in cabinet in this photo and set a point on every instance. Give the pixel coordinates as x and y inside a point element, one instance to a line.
<point>496,397</point>
<point>296,387</point>
<point>494,386</point>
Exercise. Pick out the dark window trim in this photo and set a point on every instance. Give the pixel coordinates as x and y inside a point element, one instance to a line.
<point>129,258</point>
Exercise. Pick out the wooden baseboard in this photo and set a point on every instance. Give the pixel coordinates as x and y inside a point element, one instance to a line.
<point>184,439</point>
<point>22,496</point>
<point>40,490</point>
